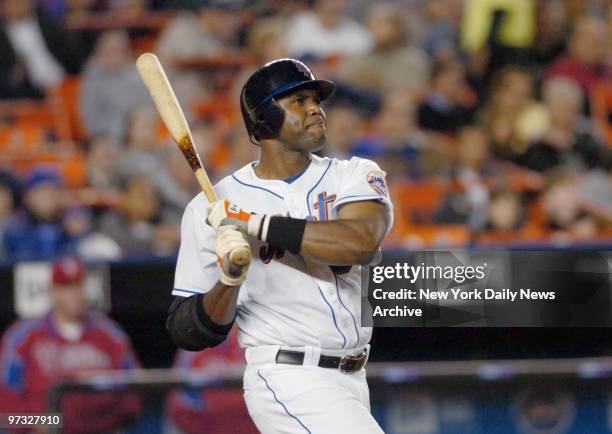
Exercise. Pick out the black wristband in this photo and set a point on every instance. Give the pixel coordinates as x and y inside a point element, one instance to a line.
<point>286,233</point>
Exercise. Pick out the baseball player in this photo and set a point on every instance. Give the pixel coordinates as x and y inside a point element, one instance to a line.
<point>311,224</point>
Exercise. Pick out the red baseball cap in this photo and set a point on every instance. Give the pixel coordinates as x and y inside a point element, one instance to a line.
<point>68,271</point>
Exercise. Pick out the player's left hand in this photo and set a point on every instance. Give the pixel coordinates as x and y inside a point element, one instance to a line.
<point>224,213</point>
<point>230,239</point>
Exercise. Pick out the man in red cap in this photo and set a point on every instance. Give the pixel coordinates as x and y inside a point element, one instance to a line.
<point>69,340</point>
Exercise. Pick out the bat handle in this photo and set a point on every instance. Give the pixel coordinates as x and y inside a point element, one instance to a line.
<point>240,256</point>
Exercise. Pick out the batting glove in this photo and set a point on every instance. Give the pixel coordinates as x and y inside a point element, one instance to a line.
<point>229,238</point>
<point>223,213</point>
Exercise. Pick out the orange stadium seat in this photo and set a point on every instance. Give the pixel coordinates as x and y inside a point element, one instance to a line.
<point>33,119</point>
<point>143,43</point>
<point>31,134</point>
<point>74,171</point>
<point>69,161</point>
<point>406,233</point>
<point>529,234</point>
<point>423,236</point>
<point>161,131</point>
<point>604,234</point>
<point>6,136</point>
<point>419,200</point>
<point>218,107</point>
<point>30,111</point>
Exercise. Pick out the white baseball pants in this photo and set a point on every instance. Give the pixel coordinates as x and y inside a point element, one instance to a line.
<point>306,399</point>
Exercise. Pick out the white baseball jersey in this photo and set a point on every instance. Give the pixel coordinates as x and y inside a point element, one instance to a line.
<point>286,299</point>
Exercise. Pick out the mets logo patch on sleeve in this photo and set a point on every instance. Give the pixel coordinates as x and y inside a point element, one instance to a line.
<point>376,179</point>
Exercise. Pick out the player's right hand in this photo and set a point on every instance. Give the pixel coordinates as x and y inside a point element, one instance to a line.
<point>229,238</point>
<point>223,212</point>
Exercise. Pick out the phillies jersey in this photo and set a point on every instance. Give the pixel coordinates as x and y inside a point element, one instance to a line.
<point>197,412</point>
<point>34,356</point>
<point>287,300</point>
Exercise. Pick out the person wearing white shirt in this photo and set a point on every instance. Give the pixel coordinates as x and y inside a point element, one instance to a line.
<point>36,52</point>
<point>327,30</point>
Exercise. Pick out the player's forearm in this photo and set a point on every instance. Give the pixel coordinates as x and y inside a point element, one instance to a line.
<point>220,303</point>
<point>341,242</point>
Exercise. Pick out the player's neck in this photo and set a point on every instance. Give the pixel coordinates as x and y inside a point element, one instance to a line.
<point>281,163</point>
<point>62,319</point>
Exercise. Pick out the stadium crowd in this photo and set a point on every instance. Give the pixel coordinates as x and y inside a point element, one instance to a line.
<point>493,123</point>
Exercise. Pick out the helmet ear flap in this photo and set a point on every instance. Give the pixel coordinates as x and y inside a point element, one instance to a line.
<point>268,120</point>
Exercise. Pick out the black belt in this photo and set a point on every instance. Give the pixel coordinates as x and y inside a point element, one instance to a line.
<point>348,363</point>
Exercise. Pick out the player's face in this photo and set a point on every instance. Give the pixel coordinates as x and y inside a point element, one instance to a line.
<point>305,126</point>
<point>68,300</point>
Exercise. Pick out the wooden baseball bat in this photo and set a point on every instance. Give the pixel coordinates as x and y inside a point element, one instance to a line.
<point>160,89</point>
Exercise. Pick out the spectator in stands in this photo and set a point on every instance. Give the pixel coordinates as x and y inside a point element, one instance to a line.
<point>36,233</point>
<point>196,412</point>
<point>595,192</point>
<point>569,139</point>
<point>111,87</point>
<point>53,8</point>
<point>474,153</point>
<point>181,185</point>
<point>397,142</point>
<point>145,155</point>
<point>447,106</point>
<point>143,149</point>
<point>134,224</point>
<point>326,30</point>
<point>10,200</point>
<point>563,210</point>
<point>223,20</point>
<point>405,66</point>
<point>441,41</point>
<point>473,165</point>
<point>586,56</point>
<point>266,41</point>
<point>551,34</point>
<point>71,11</point>
<point>240,153</point>
<point>36,51</point>
<point>102,170</point>
<point>344,128</point>
<point>506,212</point>
<point>68,341</point>
<point>511,115</point>
<point>83,241</point>
<point>128,8</point>
<point>187,38</point>
<point>166,238</point>
<point>77,8</point>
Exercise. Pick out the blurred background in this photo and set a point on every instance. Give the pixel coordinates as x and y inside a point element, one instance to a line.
<point>492,118</point>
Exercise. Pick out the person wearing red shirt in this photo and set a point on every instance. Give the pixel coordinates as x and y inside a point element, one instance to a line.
<point>70,340</point>
<point>585,60</point>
